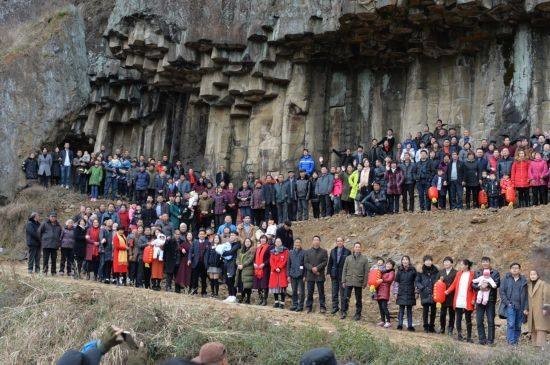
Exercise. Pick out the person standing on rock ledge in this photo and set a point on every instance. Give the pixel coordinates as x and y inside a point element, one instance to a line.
<point>66,157</point>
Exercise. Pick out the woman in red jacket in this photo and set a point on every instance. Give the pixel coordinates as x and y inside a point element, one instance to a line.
<point>278,275</point>
<point>120,256</point>
<point>124,218</point>
<point>464,298</point>
<point>383,293</point>
<point>538,177</point>
<point>520,178</point>
<point>92,250</point>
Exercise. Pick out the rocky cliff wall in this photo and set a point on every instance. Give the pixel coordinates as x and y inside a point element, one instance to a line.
<point>249,83</point>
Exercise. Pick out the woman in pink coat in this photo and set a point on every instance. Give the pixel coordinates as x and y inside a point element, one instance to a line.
<point>538,179</point>
<point>336,193</point>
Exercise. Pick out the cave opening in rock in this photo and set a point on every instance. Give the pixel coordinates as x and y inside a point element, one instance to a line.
<point>78,142</point>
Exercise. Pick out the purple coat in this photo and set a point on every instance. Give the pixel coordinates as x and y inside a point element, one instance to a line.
<point>244,194</point>
<point>258,201</point>
<point>394,181</point>
<point>219,203</point>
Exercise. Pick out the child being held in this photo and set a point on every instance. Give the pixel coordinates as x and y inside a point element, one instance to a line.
<point>158,244</point>
<point>484,281</point>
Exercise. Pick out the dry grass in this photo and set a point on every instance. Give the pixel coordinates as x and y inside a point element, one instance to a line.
<point>40,318</point>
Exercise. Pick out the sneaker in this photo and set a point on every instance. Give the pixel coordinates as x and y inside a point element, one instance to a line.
<point>380,324</point>
<point>309,310</point>
<point>292,309</point>
<point>334,311</point>
<point>323,310</point>
<point>357,317</point>
<point>276,304</point>
<point>232,299</point>
<point>399,327</point>
<point>343,315</point>
<point>410,329</point>
<point>387,325</point>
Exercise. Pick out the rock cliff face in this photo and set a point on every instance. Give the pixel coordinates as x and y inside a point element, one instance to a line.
<point>250,83</point>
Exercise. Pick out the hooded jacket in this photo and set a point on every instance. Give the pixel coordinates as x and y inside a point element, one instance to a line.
<point>31,232</point>
<point>424,283</point>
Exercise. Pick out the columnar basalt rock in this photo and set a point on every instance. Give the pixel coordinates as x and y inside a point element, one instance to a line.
<point>250,83</point>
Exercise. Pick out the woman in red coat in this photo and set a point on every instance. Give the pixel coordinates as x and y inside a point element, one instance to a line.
<point>464,298</point>
<point>383,293</point>
<point>278,275</point>
<point>92,250</point>
<point>183,277</point>
<point>520,178</point>
<point>120,256</point>
<point>124,218</point>
<point>538,177</point>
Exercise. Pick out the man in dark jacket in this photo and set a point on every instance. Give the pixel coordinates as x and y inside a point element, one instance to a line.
<point>302,193</point>
<point>141,184</point>
<point>335,266</point>
<point>455,177</point>
<point>50,241</point>
<point>407,166</point>
<point>489,308</point>
<point>295,271</point>
<point>292,198</point>
<point>448,274</point>
<point>323,188</point>
<point>198,263</point>
<point>345,157</point>
<point>284,232</point>
<point>424,284</point>
<point>423,175</point>
<point>374,152</point>
<point>315,262</point>
<point>472,178</point>
<point>106,251</point>
<point>375,202</point>
<point>268,194</point>
<point>513,295</point>
<point>33,242</point>
<point>222,175</point>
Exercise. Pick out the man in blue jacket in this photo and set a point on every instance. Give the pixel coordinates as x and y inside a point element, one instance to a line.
<point>335,268</point>
<point>307,163</point>
<point>141,184</point>
<point>513,294</point>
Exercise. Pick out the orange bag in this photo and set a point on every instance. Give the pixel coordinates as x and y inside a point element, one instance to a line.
<point>372,279</point>
<point>148,254</point>
<point>433,194</point>
<point>482,199</point>
<point>439,293</point>
<point>510,196</point>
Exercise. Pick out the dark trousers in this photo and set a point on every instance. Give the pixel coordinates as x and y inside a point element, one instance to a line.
<point>408,197</point>
<point>401,315</point>
<point>282,211</point>
<point>325,205</point>
<point>132,270</point>
<point>146,277</point>
<point>92,266</point>
<point>141,196</point>
<point>231,289</point>
<point>348,206</point>
<point>233,213</point>
<point>358,299</point>
<point>258,215</point>
<point>422,188</point>
<point>494,202</point>
<point>34,259</point>
<point>471,196</point>
<point>298,294</point>
<point>337,294</point>
<point>219,220</point>
<point>468,316</point>
<point>315,209</point>
<point>455,194</point>
<point>303,213</point>
<point>78,267</point>
<point>372,209</point>
<point>523,197</point>
<point>540,195</point>
<point>270,212</point>
<point>384,311</point>
<point>292,206</point>
<point>482,311</point>
<point>393,203</point>
<point>107,268</point>
<point>67,258</point>
<point>44,179</point>
<point>311,290</point>
<point>198,273</point>
<point>428,316</point>
<point>443,318</point>
<point>49,255</point>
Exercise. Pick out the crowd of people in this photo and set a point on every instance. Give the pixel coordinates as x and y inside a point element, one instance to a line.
<point>166,224</point>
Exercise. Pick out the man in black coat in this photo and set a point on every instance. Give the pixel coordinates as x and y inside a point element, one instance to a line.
<point>33,242</point>
<point>66,156</point>
<point>315,263</point>
<point>334,268</point>
<point>448,274</point>
<point>222,175</point>
<point>50,241</point>
<point>455,177</point>
<point>284,232</point>
<point>488,309</point>
<point>198,263</point>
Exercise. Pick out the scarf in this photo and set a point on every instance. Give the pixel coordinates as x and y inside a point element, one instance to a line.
<point>259,259</point>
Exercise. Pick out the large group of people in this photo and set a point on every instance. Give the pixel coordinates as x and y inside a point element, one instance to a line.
<point>166,225</point>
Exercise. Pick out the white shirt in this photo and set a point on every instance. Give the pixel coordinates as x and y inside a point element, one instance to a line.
<point>462,290</point>
<point>67,161</point>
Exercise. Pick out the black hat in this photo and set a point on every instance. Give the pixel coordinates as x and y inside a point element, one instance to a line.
<point>52,214</point>
<point>319,356</point>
